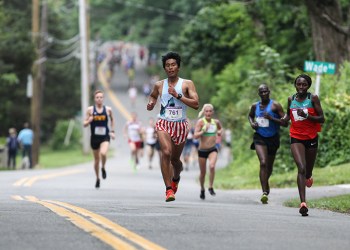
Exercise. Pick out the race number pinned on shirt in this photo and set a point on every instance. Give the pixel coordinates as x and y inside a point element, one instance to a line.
<point>100,130</point>
<point>173,113</point>
<point>263,122</point>
<point>212,128</point>
<point>298,117</point>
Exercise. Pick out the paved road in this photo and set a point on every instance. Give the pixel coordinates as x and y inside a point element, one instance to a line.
<point>61,209</point>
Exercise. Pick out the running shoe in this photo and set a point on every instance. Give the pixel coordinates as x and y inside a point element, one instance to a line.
<point>264,198</point>
<point>202,195</point>
<point>97,185</point>
<point>211,191</point>
<point>104,174</point>
<point>170,196</point>
<point>303,209</point>
<point>174,185</point>
<point>309,182</point>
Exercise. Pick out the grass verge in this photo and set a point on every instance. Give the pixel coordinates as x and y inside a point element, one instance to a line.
<point>339,203</point>
<point>233,177</point>
<point>61,158</point>
<point>57,158</point>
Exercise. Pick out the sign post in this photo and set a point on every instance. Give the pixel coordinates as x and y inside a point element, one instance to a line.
<point>319,68</point>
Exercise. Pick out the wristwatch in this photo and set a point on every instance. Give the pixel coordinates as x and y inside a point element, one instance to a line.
<point>179,96</point>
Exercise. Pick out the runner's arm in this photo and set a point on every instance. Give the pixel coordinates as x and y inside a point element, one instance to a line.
<point>251,117</point>
<point>89,117</point>
<point>154,96</point>
<point>286,117</point>
<point>112,132</point>
<point>191,99</point>
<point>198,130</point>
<point>318,108</point>
<point>279,111</point>
<point>218,124</point>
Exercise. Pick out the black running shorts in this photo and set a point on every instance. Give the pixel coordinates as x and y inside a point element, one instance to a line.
<point>272,143</point>
<point>95,141</point>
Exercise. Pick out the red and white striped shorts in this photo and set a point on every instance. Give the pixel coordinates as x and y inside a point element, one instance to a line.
<point>178,131</point>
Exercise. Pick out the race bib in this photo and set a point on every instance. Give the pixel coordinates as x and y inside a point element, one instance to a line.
<point>263,122</point>
<point>298,117</point>
<point>173,113</point>
<point>100,130</point>
<point>211,129</point>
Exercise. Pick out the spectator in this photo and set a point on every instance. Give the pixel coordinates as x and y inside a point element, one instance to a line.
<point>25,138</point>
<point>12,146</point>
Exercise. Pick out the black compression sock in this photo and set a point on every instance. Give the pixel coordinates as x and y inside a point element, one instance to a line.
<point>167,188</point>
<point>176,180</point>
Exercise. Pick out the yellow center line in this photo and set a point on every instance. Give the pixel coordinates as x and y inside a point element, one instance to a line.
<point>17,197</point>
<point>137,239</point>
<point>20,181</point>
<point>85,225</point>
<point>29,181</point>
<point>103,80</point>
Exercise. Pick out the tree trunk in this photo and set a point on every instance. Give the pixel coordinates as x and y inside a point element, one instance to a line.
<point>330,37</point>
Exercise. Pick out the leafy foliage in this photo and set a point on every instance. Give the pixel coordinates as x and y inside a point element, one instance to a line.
<point>215,36</point>
<point>284,26</point>
<point>60,133</point>
<point>148,22</point>
<point>16,57</point>
<point>335,138</point>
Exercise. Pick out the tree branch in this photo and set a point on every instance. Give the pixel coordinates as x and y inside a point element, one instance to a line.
<point>336,26</point>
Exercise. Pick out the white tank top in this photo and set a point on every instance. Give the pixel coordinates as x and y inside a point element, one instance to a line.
<point>150,135</point>
<point>134,131</point>
<point>171,108</point>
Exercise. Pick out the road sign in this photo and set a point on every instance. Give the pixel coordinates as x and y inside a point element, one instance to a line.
<point>319,67</point>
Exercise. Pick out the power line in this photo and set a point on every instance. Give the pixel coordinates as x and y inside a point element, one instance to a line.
<point>64,42</point>
<point>63,59</point>
<point>64,51</point>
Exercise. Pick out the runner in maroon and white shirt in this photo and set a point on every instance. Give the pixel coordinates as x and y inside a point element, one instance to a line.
<point>133,131</point>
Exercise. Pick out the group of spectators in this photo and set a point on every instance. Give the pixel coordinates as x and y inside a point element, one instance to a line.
<point>23,141</point>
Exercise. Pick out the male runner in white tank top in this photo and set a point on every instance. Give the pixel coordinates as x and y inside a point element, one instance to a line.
<point>172,127</point>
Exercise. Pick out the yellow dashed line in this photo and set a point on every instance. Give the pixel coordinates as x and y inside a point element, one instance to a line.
<point>85,225</point>
<point>29,181</point>
<point>103,80</point>
<point>17,197</point>
<point>142,242</point>
<point>20,181</point>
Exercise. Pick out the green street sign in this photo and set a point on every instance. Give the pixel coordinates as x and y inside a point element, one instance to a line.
<point>319,67</point>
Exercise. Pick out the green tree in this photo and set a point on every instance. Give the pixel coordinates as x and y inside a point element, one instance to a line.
<point>16,57</point>
<point>216,36</point>
<point>148,22</point>
<point>284,26</point>
<point>330,29</point>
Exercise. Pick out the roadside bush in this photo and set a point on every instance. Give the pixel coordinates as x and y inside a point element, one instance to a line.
<point>335,138</point>
<point>59,135</point>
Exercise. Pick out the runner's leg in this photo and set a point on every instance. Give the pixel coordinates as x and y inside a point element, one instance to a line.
<point>298,152</point>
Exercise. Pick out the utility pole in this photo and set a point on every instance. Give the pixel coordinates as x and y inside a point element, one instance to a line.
<point>37,71</point>
<point>84,70</point>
